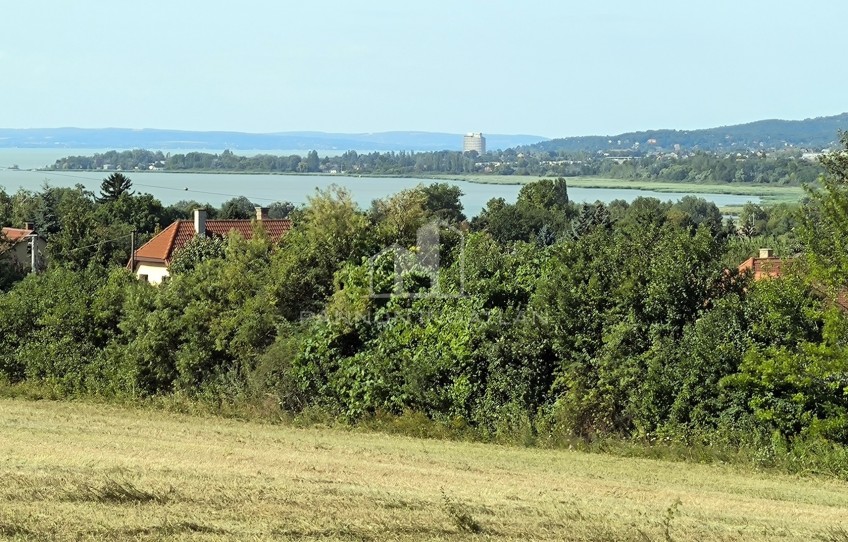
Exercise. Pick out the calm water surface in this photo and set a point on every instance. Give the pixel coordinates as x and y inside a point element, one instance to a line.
<point>264,189</point>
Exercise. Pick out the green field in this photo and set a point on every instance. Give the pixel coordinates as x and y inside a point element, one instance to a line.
<point>769,193</point>
<point>77,471</point>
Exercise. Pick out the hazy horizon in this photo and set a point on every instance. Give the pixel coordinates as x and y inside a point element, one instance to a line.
<point>551,70</point>
<point>362,132</point>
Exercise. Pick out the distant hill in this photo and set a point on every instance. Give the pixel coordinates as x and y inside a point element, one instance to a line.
<point>817,133</point>
<point>122,138</point>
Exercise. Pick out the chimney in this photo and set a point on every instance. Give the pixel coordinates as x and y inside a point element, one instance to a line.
<point>200,222</point>
<point>261,213</point>
<point>29,226</point>
<point>765,253</point>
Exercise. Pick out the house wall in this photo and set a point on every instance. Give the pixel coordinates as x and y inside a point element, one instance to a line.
<point>18,255</point>
<point>156,273</point>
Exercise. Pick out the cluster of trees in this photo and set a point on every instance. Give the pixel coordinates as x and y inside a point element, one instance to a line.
<point>700,167</point>
<point>543,318</point>
<point>779,168</point>
<point>88,230</point>
<point>125,160</point>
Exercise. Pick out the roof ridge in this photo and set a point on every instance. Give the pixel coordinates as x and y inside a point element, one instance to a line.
<point>162,246</point>
<point>247,220</point>
<point>174,225</point>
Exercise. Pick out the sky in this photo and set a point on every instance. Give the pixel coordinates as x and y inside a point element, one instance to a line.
<point>549,68</point>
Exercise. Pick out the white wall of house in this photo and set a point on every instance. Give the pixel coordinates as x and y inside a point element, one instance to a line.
<point>155,272</point>
<point>19,256</point>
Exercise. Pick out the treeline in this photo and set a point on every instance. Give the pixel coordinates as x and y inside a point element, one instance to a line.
<point>110,160</point>
<point>782,168</point>
<point>537,321</point>
<point>701,167</point>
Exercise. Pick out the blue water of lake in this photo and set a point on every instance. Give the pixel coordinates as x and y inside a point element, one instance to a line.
<point>215,188</point>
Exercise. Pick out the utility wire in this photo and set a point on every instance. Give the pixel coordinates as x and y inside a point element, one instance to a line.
<point>101,242</point>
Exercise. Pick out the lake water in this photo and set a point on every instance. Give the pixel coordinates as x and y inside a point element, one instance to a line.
<point>264,189</point>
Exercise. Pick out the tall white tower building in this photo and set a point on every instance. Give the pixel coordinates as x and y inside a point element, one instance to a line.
<point>474,142</point>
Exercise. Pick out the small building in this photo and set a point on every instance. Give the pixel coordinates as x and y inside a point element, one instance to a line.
<point>766,265</point>
<point>18,245</point>
<point>474,141</point>
<point>150,262</point>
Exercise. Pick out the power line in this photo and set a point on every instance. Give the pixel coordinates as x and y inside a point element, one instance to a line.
<point>101,242</point>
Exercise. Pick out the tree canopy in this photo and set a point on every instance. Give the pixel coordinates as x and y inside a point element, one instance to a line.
<point>114,186</point>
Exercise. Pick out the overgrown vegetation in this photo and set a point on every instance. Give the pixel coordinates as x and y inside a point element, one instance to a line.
<point>544,322</point>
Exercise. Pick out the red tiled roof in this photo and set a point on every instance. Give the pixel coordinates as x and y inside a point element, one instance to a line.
<point>16,234</point>
<point>762,267</point>
<point>162,247</point>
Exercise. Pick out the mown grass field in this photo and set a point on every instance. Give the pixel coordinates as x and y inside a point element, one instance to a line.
<point>72,471</point>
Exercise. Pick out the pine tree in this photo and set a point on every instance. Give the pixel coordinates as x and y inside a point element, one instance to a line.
<point>113,186</point>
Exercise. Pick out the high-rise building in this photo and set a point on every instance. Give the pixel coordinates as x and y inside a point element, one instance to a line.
<point>474,142</point>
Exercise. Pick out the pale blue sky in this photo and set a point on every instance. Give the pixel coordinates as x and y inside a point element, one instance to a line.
<point>551,68</point>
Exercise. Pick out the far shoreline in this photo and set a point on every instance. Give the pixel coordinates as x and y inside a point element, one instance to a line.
<point>768,193</point>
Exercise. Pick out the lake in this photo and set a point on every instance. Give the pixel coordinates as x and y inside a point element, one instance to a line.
<point>263,189</point>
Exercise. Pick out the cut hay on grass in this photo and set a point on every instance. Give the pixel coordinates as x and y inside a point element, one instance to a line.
<point>77,471</point>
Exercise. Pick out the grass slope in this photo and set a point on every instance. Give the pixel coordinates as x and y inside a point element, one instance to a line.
<point>75,471</point>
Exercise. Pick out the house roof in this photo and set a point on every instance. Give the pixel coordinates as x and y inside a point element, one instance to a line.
<point>161,248</point>
<point>16,234</point>
<point>772,267</point>
<point>762,267</point>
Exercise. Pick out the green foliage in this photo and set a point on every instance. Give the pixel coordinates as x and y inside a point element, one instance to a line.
<point>542,213</point>
<point>398,218</point>
<point>199,249</point>
<point>239,208</point>
<point>58,324</point>
<point>331,231</point>
<point>779,166</point>
<point>443,202</point>
<point>114,186</point>
<point>825,221</point>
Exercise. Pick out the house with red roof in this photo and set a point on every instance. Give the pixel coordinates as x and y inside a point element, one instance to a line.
<point>17,245</point>
<point>767,265</point>
<point>150,262</point>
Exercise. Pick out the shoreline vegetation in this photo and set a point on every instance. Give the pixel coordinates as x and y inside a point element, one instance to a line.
<point>776,175</point>
<point>769,193</point>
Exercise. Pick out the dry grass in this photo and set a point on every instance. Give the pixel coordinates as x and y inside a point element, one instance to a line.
<point>72,471</point>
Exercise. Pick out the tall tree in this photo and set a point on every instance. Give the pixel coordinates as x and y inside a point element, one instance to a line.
<point>443,201</point>
<point>113,186</point>
<point>313,163</point>
<point>237,208</point>
<point>825,223</point>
